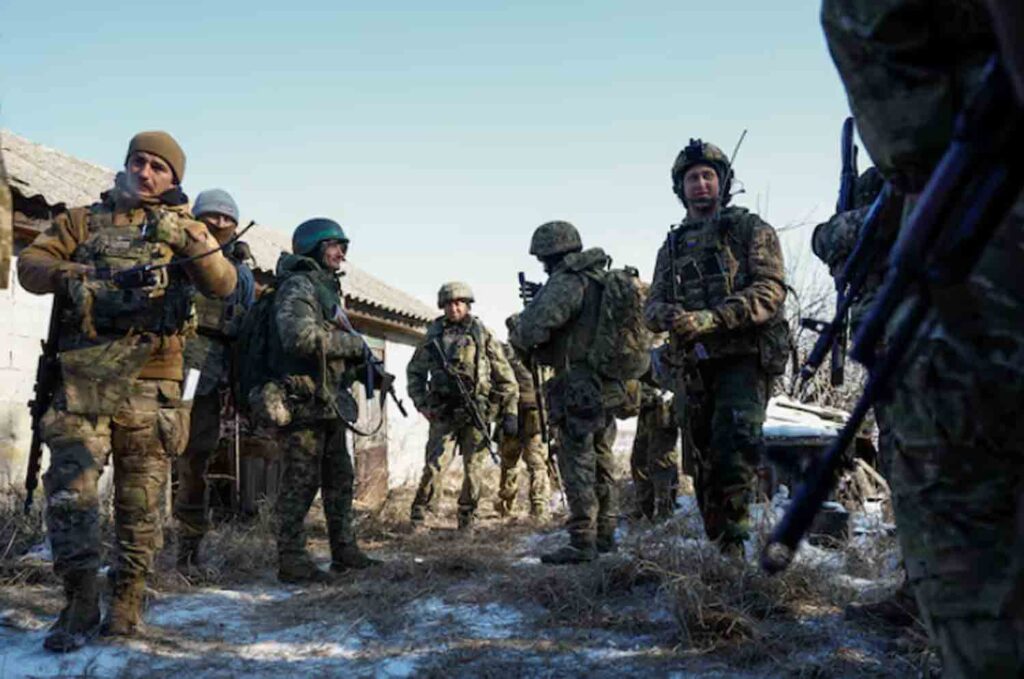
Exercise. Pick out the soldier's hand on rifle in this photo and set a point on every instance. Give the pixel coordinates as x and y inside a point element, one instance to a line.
<point>510,425</point>
<point>167,227</point>
<point>690,324</point>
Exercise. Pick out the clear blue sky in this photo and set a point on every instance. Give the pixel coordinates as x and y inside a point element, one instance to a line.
<point>440,137</point>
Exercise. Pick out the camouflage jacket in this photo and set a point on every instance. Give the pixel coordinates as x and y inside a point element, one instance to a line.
<point>108,233</point>
<point>310,353</point>
<point>527,394</point>
<point>833,242</point>
<point>731,266</point>
<point>475,356</point>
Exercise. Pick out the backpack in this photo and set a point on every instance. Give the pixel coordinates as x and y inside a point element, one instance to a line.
<point>622,343</point>
<point>252,349</point>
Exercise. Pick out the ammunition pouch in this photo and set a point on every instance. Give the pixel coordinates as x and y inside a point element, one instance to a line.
<point>773,344</point>
<point>97,379</point>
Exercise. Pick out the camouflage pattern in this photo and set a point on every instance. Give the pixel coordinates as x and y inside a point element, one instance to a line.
<point>315,459</point>
<point>556,328</point>
<point>203,439</point>
<point>454,291</point>
<point>478,359</point>
<point>654,463</point>
<point>148,429</point>
<point>527,445</point>
<point>555,238</point>
<point>958,473</point>
<point>310,350</point>
<point>699,152</point>
<point>733,268</point>
<point>6,227</point>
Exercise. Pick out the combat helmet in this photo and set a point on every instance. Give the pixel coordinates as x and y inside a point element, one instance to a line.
<point>555,238</point>
<point>452,291</point>
<point>312,232</point>
<point>699,152</point>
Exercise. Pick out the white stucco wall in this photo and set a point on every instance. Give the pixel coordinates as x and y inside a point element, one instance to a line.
<point>407,436</point>
<point>24,318</point>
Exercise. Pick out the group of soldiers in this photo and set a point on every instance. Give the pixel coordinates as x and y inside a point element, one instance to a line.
<point>950,423</point>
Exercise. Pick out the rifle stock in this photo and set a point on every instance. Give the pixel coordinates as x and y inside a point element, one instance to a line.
<point>971,190</point>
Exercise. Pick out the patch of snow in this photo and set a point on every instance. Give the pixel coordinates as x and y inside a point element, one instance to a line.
<point>487,621</point>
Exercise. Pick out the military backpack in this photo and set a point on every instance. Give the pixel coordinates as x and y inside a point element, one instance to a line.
<point>621,345</point>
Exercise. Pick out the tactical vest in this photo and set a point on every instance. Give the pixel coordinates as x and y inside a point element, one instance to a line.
<point>527,395</point>
<point>710,260</point>
<point>327,291</point>
<point>116,241</point>
<point>467,356</point>
<point>217,318</point>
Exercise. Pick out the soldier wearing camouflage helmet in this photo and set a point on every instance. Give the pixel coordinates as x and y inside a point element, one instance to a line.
<point>311,357</point>
<point>477,360</point>
<point>958,469</point>
<point>121,364</point>
<point>217,324</point>
<point>718,290</point>
<point>556,328</point>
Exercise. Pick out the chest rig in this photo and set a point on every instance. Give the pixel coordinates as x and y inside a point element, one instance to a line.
<point>464,346</point>
<point>218,318</point>
<point>707,263</point>
<point>116,241</point>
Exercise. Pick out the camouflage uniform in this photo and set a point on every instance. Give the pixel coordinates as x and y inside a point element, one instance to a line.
<point>958,473</point>
<point>309,357</point>
<point>732,268</point>
<point>557,327</point>
<point>654,463</point>
<point>121,363</point>
<point>527,445</point>
<point>476,356</point>
<point>6,226</point>
<point>209,352</point>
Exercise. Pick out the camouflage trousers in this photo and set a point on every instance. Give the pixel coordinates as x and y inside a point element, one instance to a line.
<point>444,440</point>
<point>654,463</point>
<point>190,502</point>
<point>724,422</point>
<point>316,458</point>
<point>529,448</point>
<point>587,466</point>
<point>148,429</point>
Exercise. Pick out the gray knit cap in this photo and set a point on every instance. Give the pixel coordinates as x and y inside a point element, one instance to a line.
<point>215,200</point>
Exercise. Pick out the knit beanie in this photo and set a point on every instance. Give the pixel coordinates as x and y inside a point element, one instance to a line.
<point>215,200</point>
<point>161,144</point>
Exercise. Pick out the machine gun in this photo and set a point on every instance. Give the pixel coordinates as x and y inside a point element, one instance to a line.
<point>47,380</point>
<point>971,190</point>
<point>466,397</point>
<point>527,292</point>
<point>838,330</point>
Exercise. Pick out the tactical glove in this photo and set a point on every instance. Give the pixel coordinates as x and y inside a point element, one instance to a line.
<point>168,227</point>
<point>691,324</point>
<point>510,425</point>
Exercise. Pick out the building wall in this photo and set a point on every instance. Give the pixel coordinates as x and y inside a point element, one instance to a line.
<point>25,321</point>
<point>407,436</point>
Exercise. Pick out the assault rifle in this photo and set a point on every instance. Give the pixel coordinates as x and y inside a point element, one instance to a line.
<point>971,190</point>
<point>845,203</point>
<point>527,291</point>
<point>467,398</point>
<point>375,373</point>
<point>47,379</point>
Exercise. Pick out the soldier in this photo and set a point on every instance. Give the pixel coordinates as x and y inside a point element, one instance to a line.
<point>556,328</point>
<point>6,226</point>
<point>121,362</point>
<point>209,352</point>
<point>718,290</point>
<point>308,399</point>
<point>527,446</point>
<point>476,358</point>
<point>958,470</point>
<point>654,464</point>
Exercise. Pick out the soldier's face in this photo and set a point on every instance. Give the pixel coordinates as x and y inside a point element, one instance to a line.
<point>221,226</point>
<point>335,253</point>
<point>148,175</point>
<point>700,186</point>
<point>456,309</point>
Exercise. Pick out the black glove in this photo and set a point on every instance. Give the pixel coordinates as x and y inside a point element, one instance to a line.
<point>510,425</point>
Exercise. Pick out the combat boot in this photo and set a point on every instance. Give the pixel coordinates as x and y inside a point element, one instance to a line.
<point>577,551</point>
<point>467,522</point>
<point>188,553</point>
<point>503,507</point>
<point>538,511</point>
<point>80,620</point>
<point>125,613</point>
<point>296,569</point>
<point>351,557</point>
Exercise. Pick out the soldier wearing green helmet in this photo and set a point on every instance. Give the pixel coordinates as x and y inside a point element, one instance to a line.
<point>477,360</point>
<point>718,290</point>
<point>312,356</point>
